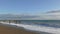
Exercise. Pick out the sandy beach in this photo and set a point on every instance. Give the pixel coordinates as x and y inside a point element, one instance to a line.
<point>12,30</point>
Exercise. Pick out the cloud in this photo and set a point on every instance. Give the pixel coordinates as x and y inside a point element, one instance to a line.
<point>51,15</point>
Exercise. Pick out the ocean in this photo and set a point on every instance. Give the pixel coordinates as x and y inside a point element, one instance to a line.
<point>48,23</point>
<point>48,26</point>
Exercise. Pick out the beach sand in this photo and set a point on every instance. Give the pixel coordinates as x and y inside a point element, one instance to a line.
<point>12,30</point>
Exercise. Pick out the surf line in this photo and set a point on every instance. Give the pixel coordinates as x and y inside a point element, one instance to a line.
<point>37,28</point>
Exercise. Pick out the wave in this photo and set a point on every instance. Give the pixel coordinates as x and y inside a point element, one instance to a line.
<point>37,28</point>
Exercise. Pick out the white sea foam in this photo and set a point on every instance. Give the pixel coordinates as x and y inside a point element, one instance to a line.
<point>37,28</point>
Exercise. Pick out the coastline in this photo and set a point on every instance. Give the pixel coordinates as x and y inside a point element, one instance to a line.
<point>12,30</point>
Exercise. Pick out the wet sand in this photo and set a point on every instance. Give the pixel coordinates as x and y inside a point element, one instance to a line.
<point>12,30</point>
<point>9,29</point>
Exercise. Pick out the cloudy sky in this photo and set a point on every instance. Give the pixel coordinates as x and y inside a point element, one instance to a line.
<point>43,9</point>
<point>28,6</point>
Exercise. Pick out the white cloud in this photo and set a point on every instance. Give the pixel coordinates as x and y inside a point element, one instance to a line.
<point>52,15</point>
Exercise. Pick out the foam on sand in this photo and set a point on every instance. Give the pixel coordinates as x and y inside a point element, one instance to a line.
<point>38,28</point>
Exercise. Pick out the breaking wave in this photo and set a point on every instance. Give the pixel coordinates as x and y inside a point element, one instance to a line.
<point>37,28</point>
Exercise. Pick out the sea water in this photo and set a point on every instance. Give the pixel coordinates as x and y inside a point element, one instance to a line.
<point>49,26</point>
<point>48,23</point>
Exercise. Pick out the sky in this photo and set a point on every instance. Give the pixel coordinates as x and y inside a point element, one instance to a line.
<point>28,6</point>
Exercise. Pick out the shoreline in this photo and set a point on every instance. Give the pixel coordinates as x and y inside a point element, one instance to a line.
<point>12,30</point>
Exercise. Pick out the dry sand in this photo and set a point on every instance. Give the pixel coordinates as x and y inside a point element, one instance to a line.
<point>12,30</point>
